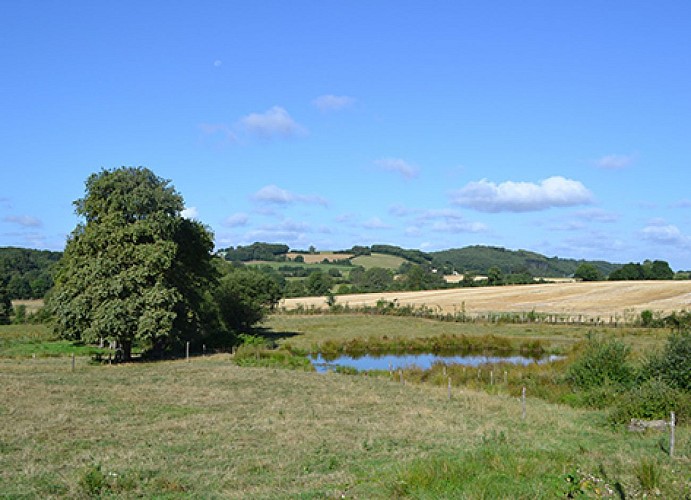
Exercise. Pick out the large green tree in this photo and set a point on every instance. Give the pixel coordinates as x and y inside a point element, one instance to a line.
<point>244,296</point>
<point>5,306</point>
<point>135,269</point>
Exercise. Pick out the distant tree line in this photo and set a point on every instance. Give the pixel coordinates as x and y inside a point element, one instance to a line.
<point>27,273</point>
<point>255,251</point>
<point>478,259</point>
<point>648,270</point>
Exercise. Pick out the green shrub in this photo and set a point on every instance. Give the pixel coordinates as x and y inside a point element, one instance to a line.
<point>602,363</point>
<point>256,355</point>
<point>654,399</point>
<point>672,364</point>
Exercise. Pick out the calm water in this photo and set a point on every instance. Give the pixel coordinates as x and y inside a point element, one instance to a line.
<point>424,361</point>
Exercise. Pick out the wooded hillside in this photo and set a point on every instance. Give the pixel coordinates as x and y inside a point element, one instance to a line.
<point>27,273</point>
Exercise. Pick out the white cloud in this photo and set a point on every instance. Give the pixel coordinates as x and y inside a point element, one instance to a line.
<point>236,220</point>
<point>486,196</point>
<point>333,102</point>
<point>275,122</point>
<point>23,220</point>
<point>276,195</point>
<point>190,213</point>
<point>398,166</point>
<point>218,63</point>
<point>615,162</point>
<point>658,231</point>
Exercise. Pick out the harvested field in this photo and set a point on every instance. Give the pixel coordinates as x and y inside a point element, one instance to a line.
<point>593,299</point>
<point>32,305</point>
<point>316,258</point>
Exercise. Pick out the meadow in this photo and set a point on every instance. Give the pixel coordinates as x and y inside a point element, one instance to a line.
<point>210,428</point>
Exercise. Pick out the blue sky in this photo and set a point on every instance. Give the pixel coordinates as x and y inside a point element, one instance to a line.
<point>558,127</point>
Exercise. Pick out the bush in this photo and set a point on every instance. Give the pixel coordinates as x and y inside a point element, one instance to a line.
<point>601,364</point>
<point>652,400</point>
<point>672,364</point>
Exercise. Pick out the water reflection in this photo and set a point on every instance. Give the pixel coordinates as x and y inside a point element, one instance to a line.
<point>424,361</point>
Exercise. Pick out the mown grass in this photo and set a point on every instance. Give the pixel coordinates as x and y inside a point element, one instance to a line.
<point>208,428</point>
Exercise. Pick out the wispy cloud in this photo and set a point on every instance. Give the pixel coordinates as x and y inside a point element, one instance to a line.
<point>580,220</point>
<point>273,123</point>
<point>401,210</point>
<point>449,220</point>
<point>333,102</point>
<point>236,220</point>
<point>275,195</point>
<point>398,166</point>
<point>658,231</point>
<point>286,231</point>
<point>509,196</point>
<point>686,203</point>
<point>615,162</point>
<point>23,220</point>
<point>597,215</point>
<point>218,130</point>
<point>375,223</point>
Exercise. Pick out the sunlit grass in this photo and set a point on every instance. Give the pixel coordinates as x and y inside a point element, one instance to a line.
<point>306,331</point>
<point>208,428</point>
<point>24,341</point>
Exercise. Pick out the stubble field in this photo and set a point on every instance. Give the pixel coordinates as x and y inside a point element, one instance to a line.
<point>606,299</point>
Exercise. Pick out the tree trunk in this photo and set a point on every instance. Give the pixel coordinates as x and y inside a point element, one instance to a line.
<point>126,350</point>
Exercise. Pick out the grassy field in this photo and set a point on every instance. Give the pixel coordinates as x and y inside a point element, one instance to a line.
<point>606,300</point>
<point>23,341</point>
<point>306,331</point>
<point>211,429</point>
<point>316,258</point>
<point>317,266</point>
<point>378,260</point>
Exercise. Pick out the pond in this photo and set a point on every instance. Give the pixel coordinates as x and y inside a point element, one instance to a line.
<point>424,361</point>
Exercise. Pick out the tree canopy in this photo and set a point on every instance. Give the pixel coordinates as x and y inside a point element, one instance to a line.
<point>135,269</point>
<point>649,270</point>
<point>5,306</point>
<point>27,273</point>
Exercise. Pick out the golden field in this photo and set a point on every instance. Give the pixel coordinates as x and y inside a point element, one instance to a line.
<point>604,299</point>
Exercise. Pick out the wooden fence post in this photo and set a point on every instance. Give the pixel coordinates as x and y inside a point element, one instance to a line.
<point>449,389</point>
<point>187,351</point>
<point>72,361</point>
<point>523,403</point>
<point>672,423</point>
